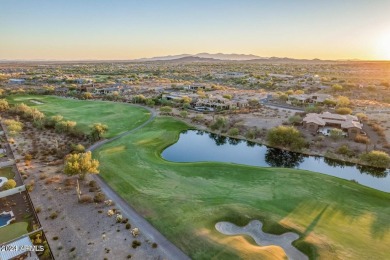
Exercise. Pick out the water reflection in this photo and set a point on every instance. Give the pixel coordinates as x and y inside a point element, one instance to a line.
<point>280,158</point>
<point>377,172</point>
<point>195,146</point>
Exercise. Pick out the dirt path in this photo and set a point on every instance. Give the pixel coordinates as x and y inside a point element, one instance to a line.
<point>254,229</point>
<point>170,250</point>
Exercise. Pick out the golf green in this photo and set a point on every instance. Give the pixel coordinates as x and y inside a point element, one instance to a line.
<point>119,117</point>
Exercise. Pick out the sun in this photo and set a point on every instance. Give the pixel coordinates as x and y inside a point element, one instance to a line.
<point>383,47</point>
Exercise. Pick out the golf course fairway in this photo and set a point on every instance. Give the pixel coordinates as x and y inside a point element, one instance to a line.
<point>119,117</point>
<point>335,218</point>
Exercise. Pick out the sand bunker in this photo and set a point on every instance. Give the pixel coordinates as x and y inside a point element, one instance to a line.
<point>36,102</point>
<point>254,229</point>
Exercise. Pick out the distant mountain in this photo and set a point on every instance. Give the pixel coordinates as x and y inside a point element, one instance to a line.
<point>204,55</point>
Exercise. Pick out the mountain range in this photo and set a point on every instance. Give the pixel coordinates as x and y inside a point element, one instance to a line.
<point>204,55</point>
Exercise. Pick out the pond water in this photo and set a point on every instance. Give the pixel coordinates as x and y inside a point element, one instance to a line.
<point>197,146</point>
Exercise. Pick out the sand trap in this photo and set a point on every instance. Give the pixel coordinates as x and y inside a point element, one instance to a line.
<point>254,229</point>
<point>36,102</point>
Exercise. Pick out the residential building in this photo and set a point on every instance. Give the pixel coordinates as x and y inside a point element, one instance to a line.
<point>348,123</point>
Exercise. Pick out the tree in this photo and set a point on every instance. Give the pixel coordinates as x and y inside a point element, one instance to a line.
<point>81,164</point>
<point>98,130</point>
<point>4,105</point>
<point>376,158</point>
<point>343,101</point>
<point>286,137</point>
<point>10,184</point>
<point>344,111</point>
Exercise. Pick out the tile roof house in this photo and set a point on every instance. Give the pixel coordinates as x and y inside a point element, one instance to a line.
<point>347,123</point>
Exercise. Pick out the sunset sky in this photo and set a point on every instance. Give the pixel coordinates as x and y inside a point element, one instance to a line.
<point>102,29</point>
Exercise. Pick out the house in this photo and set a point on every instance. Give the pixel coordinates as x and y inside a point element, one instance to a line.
<point>309,99</point>
<point>16,81</point>
<point>315,122</point>
<point>19,249</point>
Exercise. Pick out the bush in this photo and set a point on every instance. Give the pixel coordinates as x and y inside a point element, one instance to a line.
<point>128,226</point>
<point>136,244</point>
<point>53,215</point>
<point>344,150</point>
<point>336,133</point>
<point>79,148</point>
<point>92,184</point>
<point>99,197</point>
<point>295,120</point>
<point>10,184</point>
<point>286,137</point>
<point>154,245</point>
<point>85,199</point>
<point>233,131</point>
<point>344,111</point>
<point>362,139</point>
<point>184,114</point>
<point>376,158</point>
<point>165,110</point>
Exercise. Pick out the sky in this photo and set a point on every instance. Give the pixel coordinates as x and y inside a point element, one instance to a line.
<point>116,29</point>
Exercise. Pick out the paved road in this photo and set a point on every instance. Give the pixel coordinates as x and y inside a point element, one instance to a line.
<point>170,250</point>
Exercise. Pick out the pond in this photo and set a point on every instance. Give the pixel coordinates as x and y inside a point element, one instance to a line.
<point>197,146</point>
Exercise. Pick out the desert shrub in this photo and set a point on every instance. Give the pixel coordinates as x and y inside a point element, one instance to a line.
<point>53,215</point>
<point>362,116</point>
<point>343,111</point>
<point>92,184</point>
<point>295,120</point>
<point>183,114</point>
<point>38,209</point>
<point>154,245</point>
<point>86,199</point>
<point>345,150</point>
<point>165,110</point>
<point>336,134</point>
<point>99,197</point>
<point>136,243</point>
<point>233,131</point>
<point>78,148</point>
<point>10,184</point>
<point>128,226</point>
<point>376,158</point>
<point>55,238</point>
<point>43,176</point>
<point>362,139</point>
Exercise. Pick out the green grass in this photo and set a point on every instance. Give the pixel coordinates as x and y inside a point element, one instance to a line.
<point>118,116</point>
<point>337,219</point>
<point>7,172</point>
<point>13,231</point>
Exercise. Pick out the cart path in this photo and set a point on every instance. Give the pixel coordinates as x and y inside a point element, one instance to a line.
<point>170,250</point>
